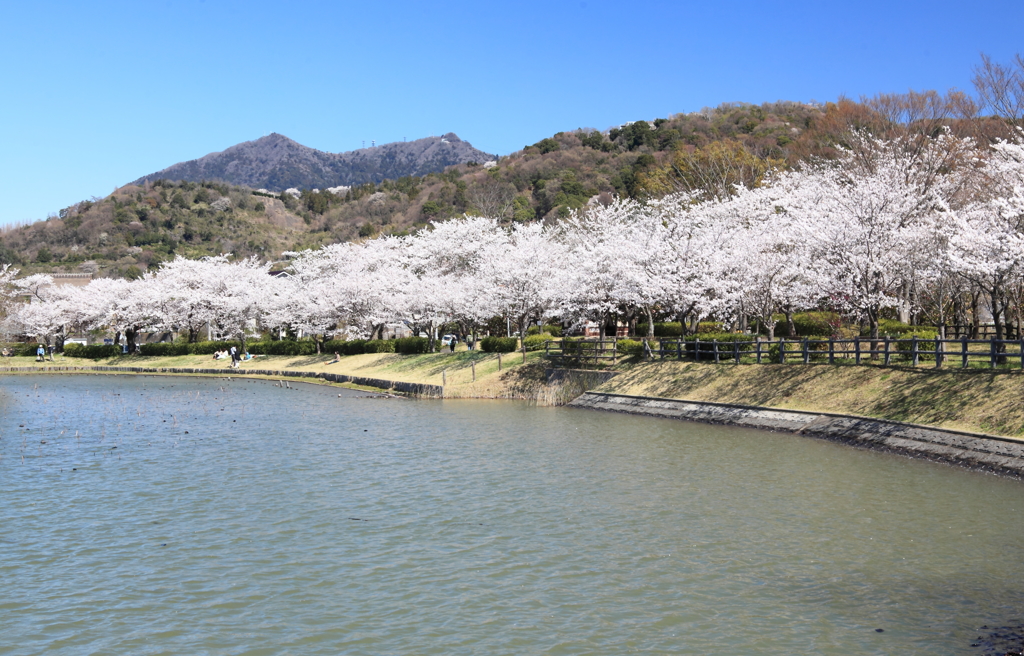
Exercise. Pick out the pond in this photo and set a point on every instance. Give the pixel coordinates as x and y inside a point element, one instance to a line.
<point>163,515</point>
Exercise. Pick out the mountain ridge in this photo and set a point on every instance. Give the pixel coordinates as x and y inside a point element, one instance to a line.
<point>276,162</point>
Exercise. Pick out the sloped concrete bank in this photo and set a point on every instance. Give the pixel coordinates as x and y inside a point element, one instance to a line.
<point>1002,455</point>
<point>413,389</point>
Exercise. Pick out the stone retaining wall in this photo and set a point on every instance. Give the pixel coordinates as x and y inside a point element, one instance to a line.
<point>1004,455</point>
<point>413,389</point>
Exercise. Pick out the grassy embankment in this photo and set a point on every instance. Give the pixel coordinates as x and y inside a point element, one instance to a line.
<point>977,400</point>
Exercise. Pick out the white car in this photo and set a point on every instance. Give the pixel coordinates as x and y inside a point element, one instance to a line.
<point>447,340</point>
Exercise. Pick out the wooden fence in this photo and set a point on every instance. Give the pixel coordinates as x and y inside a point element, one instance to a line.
<point>962,352</point>
<point>574,352</point>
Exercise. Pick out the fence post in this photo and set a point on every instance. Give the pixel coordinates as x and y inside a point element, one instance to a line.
<point>807,355</point>
<point>992,352</point>
<point>758,338</point>
<point>472,365</point>
<point>831,350</point>
<point>782,351</point>
<point>963,350</point>
<point>499,360</point>
<point>1021,352</point>
<point>938,352</point>
<point>547,348</point>
<point>714,349</point>
<point>679,348</point>
<point>913,349</point>
<point>735,350</point>
<point>615,348</point>
<point>696,349</point>
<point>887,355</point>
<point>856,349</point>
<point>444,380</point>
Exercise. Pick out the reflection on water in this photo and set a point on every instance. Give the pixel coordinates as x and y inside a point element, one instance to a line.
<point>150,515</point>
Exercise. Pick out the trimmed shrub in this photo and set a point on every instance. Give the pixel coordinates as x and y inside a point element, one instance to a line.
<point>536,342</point>
<point>667,329</point>
<point>22,349</point>
<point>209,348</point>
<point>925,341</point>
<point>385,345</point>
<point>339,345</point>
<point>630,346</point>
<point>411,345</point>
<point>165,349</point>
<point>283,347</point>
<point>499,344</point>
<point>92,352</point>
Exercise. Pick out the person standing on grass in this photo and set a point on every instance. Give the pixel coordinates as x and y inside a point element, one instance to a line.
<point>234,357</point>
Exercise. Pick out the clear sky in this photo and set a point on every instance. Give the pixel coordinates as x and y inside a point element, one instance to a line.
<point>97,94</point>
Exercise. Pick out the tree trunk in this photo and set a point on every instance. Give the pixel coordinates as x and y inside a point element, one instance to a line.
<point>975,315</point>
<point>790,326</point>
<point>129,335</point>
<point>904,307</point>
<point>650,321</point>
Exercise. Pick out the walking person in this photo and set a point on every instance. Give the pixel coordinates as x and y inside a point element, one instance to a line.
<point>234,357</point>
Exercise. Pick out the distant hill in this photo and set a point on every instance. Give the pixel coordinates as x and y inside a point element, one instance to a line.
<point>276,163</point>
<point>151,221</point>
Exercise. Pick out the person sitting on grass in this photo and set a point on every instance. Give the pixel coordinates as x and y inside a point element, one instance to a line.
<point>337,358</point>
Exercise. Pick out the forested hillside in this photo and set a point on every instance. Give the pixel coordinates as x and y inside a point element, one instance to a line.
<point>142,224</point>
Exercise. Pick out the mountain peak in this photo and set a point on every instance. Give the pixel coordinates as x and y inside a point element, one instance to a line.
<point>276,162</point>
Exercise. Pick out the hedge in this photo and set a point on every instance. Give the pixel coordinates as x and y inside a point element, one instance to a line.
<point>283,347</point>
<point>24,349</point>
<point>411,345</point>
<point>382,345</point>
<point>499,344</point>
<point>92,352</point>
<point>166,349</point>
<point>630,346</point>
<point>666,329</point>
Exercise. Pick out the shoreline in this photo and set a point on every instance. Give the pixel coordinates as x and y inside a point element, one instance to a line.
<point>413,389</point>
<point>582,389</point>
<point>976,451</point>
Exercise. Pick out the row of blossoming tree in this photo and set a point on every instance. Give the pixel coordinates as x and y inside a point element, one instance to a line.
<point>890,225</point>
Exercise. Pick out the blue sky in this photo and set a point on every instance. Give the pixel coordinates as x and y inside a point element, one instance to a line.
<point>98,94</point>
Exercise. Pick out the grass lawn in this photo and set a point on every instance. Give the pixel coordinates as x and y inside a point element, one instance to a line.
<point>456,370</point>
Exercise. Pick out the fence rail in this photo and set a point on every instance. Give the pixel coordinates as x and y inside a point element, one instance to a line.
<point>962,352</point>
<point>582,351</point>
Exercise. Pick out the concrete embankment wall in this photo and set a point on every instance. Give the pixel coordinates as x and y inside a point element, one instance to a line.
<point>414,389</point>
<point>1002,455</point>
